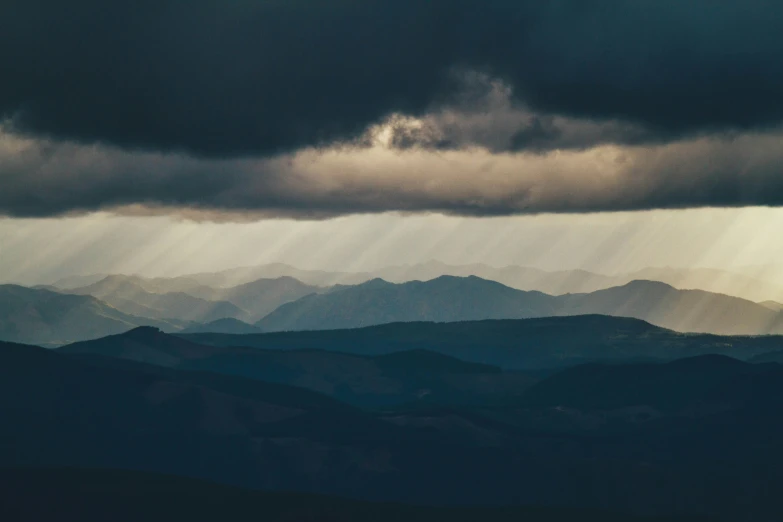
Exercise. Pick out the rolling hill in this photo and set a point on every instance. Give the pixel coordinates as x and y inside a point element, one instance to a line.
<point>407,377</point>
<point>514,344</point>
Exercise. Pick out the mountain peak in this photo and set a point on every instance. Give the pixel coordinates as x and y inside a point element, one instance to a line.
<point>143,332</point>
<point>647,284</point>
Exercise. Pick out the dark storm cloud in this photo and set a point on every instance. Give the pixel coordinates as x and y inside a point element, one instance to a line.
<point>257,78</point>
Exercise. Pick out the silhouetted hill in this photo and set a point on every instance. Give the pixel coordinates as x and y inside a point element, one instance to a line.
<point>259,297</point>
<point>144,344</point>
<point>450,299</point>
<point>675,386</point>
<point>102,495</point>
<point>133,295</point>
<point>375,302</point>
<point>227,326</point>
<point>38,316</point>
<point>404,377</point>
<point>519,344</point>
<point>63,410</point>
<point>79,409</point>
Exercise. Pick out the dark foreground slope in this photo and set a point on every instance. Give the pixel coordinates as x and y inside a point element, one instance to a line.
<point>697,436</point>
<point>519,344</point>
<point>406,377</point>
<point>100,495</point>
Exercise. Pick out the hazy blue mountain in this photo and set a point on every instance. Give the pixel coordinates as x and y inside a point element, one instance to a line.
<point>77,281</point>
<point>582,281</point>
<point>226,326</point>
<point>242,275</point>
<point>519,277</point>
<point>449,298</point>
<point>44,317</point>
<point>772,305</point>
<point>138,296</point>
<point>518,344</point>
<point>259,297</point>
<point>710,280</point>
<point>681,310</point>
<point>446,298</point>
<point>130,496</point>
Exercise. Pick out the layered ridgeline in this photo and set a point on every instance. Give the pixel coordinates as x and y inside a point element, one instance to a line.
<point>297,306</point>
<point>519,277</point>
<point>44,317</point>
<point>403,377</point>
<point>590,437</point>
<point>115,304</point>
<point>458,299</point>
<point>513,344</point>
<point>186,299</point>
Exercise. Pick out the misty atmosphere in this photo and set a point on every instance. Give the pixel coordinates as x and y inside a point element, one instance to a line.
<point>410,260</point>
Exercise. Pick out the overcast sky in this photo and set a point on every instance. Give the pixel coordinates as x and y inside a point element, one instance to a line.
<point>497,128</point>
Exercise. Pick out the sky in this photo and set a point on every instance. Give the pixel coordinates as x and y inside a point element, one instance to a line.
<point>43,250</point>
<point>166,136</point>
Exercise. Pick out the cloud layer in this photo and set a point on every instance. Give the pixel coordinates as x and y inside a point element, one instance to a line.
<point>49,178</point>
<point>317,108</point>
<point>216,78</point>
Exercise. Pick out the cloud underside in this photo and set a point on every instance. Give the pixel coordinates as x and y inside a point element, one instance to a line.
<point>316,108</point>
<point>43,179</point>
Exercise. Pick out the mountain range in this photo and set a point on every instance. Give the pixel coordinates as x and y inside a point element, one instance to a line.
<point>627,437</point>
<point>137,296</point>
<point>538,343</point>
<point>50,318</point>
<point>43,316</point>
<point>449,298</point>
<point>404,377</point>
<point>522,278</point>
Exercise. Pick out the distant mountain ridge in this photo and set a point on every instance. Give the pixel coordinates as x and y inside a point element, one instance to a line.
<point>144,297</point>
<point>445,299</point>
<point>449,298</point>
<point>556,282</point>
<point>39,316</point>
